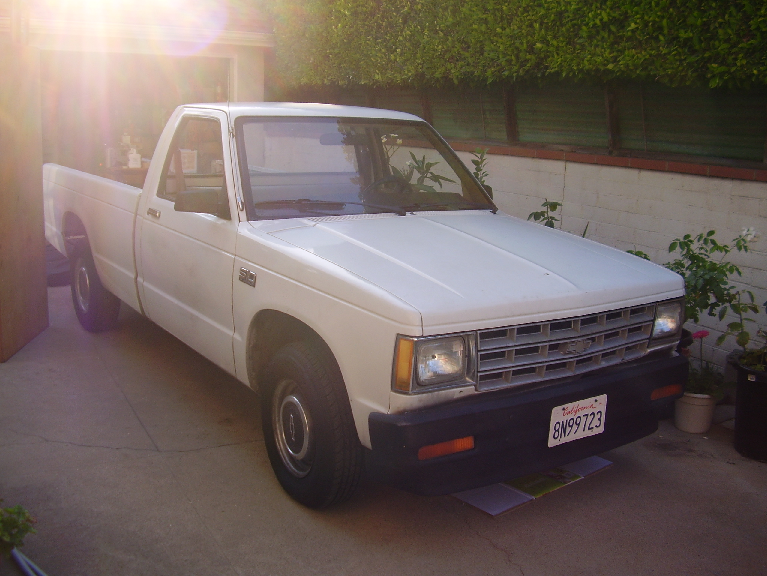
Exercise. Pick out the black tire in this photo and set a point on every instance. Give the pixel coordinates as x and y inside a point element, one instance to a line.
<point>96,308</point>
<point>308,427</point>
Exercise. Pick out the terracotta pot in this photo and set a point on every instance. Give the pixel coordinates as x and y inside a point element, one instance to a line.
<point>751,413</point>
<point>694,412</point>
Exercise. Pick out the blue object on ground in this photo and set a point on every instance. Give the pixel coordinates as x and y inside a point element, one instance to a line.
<point>26,565</point>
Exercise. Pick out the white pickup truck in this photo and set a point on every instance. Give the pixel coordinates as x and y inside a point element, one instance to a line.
<point>344,263</point>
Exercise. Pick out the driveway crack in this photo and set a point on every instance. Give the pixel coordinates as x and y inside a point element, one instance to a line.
<point>155,450</point>
<point>508,555</point>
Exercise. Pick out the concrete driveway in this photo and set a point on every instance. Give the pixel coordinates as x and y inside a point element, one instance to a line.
<point>139,457</point>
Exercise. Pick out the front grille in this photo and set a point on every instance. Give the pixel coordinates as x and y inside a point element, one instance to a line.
<point>530,353</point>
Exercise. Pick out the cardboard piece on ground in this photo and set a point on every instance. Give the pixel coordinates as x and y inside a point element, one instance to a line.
<point>494,499</point>
<point>499,498</point>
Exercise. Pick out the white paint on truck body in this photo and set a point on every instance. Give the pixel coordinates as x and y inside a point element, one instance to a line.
<point>358,281</point>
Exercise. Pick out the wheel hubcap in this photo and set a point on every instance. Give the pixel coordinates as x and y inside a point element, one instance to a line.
<point>292,429</point>
<point>82,287</point>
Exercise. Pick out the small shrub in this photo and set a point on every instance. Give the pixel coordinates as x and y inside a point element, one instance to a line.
<point>480,165</point>
<point>706,272</point>
<point>546,216</point>
<point>705,379</point>
<point>640,254</point>
<point>15,524</point>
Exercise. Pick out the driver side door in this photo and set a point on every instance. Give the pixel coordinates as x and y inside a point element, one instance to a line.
<point>187,258</point>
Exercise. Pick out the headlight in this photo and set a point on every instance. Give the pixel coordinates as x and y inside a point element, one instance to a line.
<point>669,317</point>
<point>428,362</point>
<point>440,360</point>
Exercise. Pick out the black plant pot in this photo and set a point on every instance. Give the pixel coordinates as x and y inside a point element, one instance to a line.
<point>751,413</point>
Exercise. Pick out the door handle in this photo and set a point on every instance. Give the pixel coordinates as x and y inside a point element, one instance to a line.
<point>153,213</point>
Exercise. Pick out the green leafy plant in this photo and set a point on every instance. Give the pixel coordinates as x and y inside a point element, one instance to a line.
<point>416,42</point>
<point>640,254</point>
<point>424,171</point>
<point>705,378</point>
<point>739,329</point>
<point>15,524</point>
<point>756,358</point>
<point>480,165</point>
<point>546,216</point>
<point>706,272</point>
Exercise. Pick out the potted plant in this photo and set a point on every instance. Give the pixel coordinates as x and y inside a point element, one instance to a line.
<point>694,411</point>
<point>702,262</point>
<point>751,390</point>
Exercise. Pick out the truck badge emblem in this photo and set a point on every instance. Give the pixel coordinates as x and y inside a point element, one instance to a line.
<point>248,277</point>
<point>575,346</point>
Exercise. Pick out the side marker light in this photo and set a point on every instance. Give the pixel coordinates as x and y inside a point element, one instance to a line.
<point>666,391</point>
<point>445,448</point>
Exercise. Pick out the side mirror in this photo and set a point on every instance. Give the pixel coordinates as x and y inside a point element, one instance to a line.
<point>204,200</point>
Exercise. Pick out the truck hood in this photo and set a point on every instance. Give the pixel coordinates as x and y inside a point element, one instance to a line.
<point>474,269</point>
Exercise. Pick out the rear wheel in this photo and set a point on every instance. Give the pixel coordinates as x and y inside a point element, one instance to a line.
<point>308,427</point>
<point>95,306</point>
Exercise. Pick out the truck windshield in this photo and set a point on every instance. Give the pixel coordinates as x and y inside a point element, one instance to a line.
<point>299,167</point>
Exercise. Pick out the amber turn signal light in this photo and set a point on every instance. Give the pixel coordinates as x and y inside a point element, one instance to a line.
<point>403,365</point>
<point>666,391</point>
<point>445,448</point>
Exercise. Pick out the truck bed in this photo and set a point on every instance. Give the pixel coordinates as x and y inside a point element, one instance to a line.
<point>113,204</point>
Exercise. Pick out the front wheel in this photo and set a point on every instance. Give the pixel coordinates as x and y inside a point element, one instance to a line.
<point>95,306</point>
<point>308,427</point>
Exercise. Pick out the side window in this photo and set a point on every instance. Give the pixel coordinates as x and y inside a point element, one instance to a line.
<point>195,159</point>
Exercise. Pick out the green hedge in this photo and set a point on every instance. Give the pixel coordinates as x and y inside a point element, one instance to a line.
<point>428,42</point>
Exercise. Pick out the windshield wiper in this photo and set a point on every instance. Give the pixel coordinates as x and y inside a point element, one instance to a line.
<point>463,205</point>
<point>309,205</point>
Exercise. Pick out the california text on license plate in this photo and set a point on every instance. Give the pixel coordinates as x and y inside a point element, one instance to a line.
<point>577,420</point>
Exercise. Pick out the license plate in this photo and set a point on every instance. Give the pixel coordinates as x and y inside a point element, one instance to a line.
<point>577,420</point>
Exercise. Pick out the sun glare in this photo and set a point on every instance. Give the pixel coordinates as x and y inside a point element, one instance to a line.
<point>175,26</point>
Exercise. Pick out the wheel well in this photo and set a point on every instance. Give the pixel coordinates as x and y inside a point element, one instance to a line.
<point>73,231</point>
<point>269,331</point>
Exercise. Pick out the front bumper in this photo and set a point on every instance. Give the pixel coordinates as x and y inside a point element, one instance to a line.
<point>511,428</point>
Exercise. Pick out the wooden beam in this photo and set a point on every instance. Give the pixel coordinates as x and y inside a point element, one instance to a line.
<point>370,98</point>
<point>611,111</point>
<point>426,107</point>
<point>764,159</point>
<point>510,107</point>
<point>23,290</point>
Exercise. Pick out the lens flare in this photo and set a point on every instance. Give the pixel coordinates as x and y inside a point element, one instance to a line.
<point>173,27</point>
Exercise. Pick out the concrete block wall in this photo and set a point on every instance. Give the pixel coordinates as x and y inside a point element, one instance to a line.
<point>632,208</point>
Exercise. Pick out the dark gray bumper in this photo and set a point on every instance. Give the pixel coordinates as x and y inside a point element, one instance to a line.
<point>511,427</point>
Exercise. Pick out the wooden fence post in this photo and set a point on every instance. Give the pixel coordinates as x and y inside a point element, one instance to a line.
<point>23,290</point>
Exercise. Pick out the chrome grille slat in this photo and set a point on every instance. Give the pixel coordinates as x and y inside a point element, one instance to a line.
<point>554,355</point>
<point>512,338</point>
<point>516,355</point>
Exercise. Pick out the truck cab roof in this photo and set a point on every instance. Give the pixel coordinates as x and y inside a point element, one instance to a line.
<point>237,109</point>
